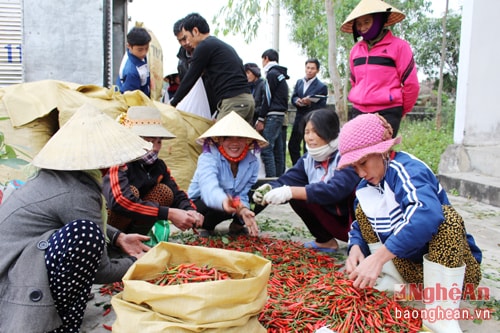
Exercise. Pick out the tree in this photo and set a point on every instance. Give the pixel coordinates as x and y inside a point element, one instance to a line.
<point>441,64</point>
<point>428,55</point>
<point>315,25</point>
<point>309,30</point>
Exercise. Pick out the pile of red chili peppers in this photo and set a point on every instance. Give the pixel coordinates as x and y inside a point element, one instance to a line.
<point>306,291</point>
<point>188,273</point>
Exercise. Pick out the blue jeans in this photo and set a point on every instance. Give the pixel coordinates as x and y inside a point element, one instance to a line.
<point>272,133</point>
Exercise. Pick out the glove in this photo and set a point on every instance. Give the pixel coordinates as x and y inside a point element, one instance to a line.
<point>278,195</point>
<point>259,193</point>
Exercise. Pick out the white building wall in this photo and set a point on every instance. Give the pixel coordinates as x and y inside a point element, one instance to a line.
<point>470,165</point>
<point>63,40</point>
<point>477,120</point>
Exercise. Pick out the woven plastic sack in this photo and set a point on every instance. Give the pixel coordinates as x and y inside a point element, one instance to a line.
<point>181,154</point>
<point>217,306</point>
<point>135,318</point>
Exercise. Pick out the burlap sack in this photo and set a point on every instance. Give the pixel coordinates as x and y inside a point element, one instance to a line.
<point>181,154</point>
<point>26,139</point>
<point>193,307</point>
<point>155,62</point>
<point>136,318</point>
<point>36,110</point>
<point>109,101</point>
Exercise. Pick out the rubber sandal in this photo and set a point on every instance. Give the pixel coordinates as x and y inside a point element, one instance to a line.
<point>313,246</point>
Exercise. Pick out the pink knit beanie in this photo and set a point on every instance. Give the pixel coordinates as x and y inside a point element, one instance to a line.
<point>366,134</point>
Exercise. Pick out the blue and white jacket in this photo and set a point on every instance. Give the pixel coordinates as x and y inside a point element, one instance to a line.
<point>134,74</point>
<point>405,209</point>
<point>325,185</point>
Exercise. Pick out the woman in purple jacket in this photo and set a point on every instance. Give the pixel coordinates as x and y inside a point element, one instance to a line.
<point>225,172</point>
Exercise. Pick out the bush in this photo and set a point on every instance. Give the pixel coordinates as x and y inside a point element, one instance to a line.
<point>422,139</point>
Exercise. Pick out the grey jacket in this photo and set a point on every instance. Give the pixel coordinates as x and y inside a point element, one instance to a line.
<point>27,219</point>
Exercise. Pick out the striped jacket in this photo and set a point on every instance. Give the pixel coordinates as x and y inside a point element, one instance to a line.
<point>119,197</point>
<point>405,209</point>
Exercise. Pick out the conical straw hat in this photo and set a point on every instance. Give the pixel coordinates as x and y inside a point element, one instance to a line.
<point>145,121</point>
<point>90,140</point>
<point>366,7</point>
<point>232,125</point>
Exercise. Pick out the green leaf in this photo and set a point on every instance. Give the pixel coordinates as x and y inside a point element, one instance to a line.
<point>15,163</point>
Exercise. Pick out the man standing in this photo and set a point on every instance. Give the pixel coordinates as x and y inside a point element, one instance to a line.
<point>271,117</point>
<point>223,67</point>
<point>195,101</point>
<point>257,86</point>
<point>309,94</point>
<point>185,50</point>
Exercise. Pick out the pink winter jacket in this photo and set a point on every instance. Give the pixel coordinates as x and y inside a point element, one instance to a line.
<point>384,76</point>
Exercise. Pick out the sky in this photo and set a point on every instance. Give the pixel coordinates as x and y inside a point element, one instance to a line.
<point>160,15</point>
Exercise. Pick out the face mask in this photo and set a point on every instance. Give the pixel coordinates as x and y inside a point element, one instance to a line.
<point>150,157</point>
<point>322,153</point>
<point>377,25</point>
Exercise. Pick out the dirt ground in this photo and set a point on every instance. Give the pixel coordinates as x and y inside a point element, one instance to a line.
<point>482,221</point>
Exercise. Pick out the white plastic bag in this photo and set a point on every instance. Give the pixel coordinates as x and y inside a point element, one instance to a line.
<point>196,101</point>
<point>262,167</point>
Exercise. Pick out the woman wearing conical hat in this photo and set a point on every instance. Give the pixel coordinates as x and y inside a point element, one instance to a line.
<point>383,72</point>
<point>406,230</point>
<point>143,192</point>
<point>226,171</point>
<point>320,195</point>
<point>53,230</point>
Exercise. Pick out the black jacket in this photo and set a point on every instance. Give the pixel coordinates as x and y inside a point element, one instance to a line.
<point>259,95</point>
<point>224,68</point>
<point>182,68</point>
<point>278,89</point>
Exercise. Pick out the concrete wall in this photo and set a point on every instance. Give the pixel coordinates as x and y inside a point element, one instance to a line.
<point>477,112</point>
<point>120,29</point>
<point>471,164</point>
<point>63,40</point>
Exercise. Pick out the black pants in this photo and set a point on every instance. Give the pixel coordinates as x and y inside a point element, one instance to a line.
<point>296,142</point>
<point>392,115</point>
<point>72,258</point>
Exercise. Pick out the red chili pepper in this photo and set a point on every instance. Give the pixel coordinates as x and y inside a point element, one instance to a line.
<point>107,327</point>
<point>106,312</point>
<point>306,291</point>
<point>235,202</point>
<point>187,273</point>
